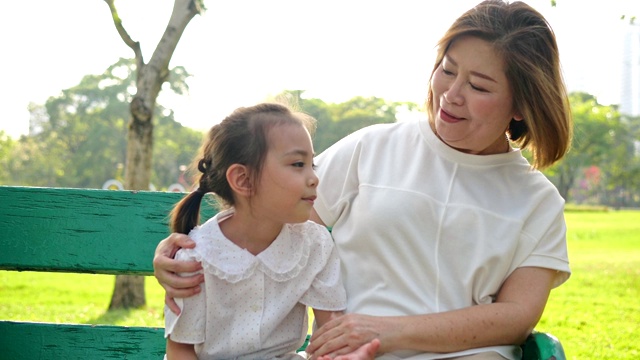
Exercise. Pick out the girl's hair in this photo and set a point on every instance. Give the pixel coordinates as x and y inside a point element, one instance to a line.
<point>241,138</point>
<point>528,47</point>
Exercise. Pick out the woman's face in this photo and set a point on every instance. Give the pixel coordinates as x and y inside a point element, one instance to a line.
<point>472,101</point>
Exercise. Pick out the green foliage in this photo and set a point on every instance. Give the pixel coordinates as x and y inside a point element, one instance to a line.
<point>6,148</point>
<point>602,161</point>
<point>336,120</point>
<point>80,136</point>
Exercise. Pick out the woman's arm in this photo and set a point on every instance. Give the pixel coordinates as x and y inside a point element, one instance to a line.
<point>323,316</point>
<point>509,320</point>
<point>364,352</point>
<point>165,269</point>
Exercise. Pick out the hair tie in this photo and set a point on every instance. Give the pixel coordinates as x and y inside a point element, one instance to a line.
<point>202,166</point>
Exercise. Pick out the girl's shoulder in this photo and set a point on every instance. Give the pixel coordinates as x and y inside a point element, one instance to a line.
<point>312,232</point>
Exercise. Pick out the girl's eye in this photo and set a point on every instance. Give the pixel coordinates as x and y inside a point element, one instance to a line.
<point>314,166</point>
<point>298,164</point>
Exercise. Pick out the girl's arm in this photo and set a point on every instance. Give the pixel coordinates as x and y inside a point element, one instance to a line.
<point>179,351</point>
<point>507,321</point>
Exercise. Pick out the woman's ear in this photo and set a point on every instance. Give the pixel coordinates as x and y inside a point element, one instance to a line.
<point>239,179</point>
<point>517,116</point>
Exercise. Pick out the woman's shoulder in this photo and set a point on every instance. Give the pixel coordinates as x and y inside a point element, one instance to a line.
<point>385,131</point>
<point>371,137</point>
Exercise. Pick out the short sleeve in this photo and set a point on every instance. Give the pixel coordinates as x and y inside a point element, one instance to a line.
<point>551,250</point>
<point>337,167</point>
<point>327,290</point>
<point>189,326</point>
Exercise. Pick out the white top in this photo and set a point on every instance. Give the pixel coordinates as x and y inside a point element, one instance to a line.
<point>423,228</point>
<point>253,307</point>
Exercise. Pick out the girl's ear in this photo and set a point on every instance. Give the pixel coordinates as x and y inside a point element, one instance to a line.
<point>239,179</point>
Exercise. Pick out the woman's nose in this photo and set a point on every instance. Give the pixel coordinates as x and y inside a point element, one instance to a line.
<point>453,95</point>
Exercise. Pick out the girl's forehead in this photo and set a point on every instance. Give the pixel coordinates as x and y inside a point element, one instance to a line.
<point>287,133</point>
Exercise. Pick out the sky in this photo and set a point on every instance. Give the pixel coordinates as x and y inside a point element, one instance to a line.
<point>242,51</point>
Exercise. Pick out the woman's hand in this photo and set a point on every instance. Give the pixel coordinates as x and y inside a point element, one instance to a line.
<point>165,269</point>
<point>347,334</point>
<point>365,352</point>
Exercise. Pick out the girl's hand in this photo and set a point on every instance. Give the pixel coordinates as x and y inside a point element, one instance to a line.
<point>348,334</point>
<point>165,269</point>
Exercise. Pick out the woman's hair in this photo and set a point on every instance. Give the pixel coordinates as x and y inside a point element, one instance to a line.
<point>241,138</point>
<point>527,44</point>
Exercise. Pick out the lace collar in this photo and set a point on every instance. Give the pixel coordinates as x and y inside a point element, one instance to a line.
<point>281,261</point>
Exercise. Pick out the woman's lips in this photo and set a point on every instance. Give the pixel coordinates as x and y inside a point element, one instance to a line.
<point>445,116</point>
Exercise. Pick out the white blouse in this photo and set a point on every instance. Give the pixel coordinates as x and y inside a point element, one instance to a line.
<point>254,306</point>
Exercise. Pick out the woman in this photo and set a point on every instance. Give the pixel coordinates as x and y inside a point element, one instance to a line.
<point>450,240</point>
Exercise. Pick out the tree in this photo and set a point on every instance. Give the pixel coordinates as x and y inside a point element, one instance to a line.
<point>336,120</point>
<point>78,137</point>
<point>622,169</point>
<point>596,128</point>
<point>129,290</point>
<point>6,146</point>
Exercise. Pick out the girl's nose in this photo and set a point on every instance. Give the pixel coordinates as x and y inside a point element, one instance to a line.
<point>313,180</point>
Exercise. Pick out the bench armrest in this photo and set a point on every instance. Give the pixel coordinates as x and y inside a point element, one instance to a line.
<point>542,346</point>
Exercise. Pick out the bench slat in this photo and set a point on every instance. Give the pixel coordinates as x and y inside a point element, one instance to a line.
<point>27,340</point>
<point>82,230</point>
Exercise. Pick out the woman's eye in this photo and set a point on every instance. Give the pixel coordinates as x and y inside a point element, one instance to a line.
<point>477,88</point>
<point>446,72</point>
<point>298,164</point>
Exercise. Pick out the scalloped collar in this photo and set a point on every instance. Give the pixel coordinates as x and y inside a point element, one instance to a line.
<point>281,261</point>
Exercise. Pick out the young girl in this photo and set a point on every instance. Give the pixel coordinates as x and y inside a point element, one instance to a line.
<point>262,260</point>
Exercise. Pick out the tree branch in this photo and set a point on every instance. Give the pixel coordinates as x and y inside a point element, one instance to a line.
<point>134,45</point>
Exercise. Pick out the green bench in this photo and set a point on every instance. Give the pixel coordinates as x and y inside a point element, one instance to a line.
<point>101,232</point>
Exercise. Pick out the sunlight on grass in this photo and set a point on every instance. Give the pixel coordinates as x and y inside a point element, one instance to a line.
<point>596,313</point>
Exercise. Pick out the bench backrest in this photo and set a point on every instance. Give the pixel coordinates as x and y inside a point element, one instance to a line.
<point>81,231</point>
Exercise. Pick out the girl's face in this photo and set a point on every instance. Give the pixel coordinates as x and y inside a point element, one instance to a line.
<point>286,189</point>
<point>472,101</point>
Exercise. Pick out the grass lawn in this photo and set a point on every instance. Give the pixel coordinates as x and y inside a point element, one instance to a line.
<point>596,314</point>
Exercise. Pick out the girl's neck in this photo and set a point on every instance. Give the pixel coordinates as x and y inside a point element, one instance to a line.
<point>249,232</point>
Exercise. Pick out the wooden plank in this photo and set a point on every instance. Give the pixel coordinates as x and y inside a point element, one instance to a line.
<point>82,230</point>
<point>21,340</point>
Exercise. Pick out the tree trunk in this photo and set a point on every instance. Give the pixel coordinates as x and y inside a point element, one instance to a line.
<point>129,290</point>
